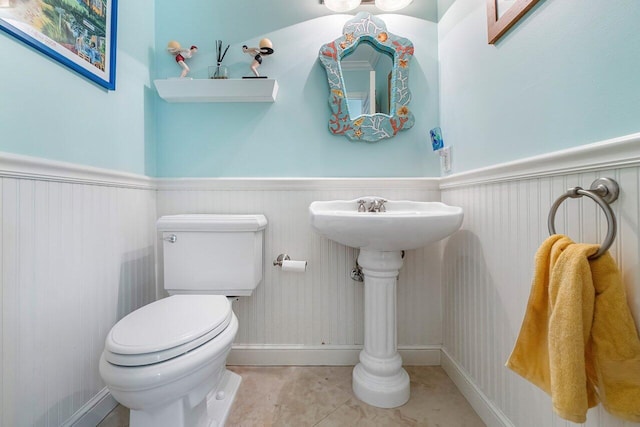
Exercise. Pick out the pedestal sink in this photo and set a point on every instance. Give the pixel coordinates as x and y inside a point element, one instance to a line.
<point>382,235</point>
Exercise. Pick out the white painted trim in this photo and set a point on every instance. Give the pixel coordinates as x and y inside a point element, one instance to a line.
<point>93,411</point>
<point>337,355</point>
<point>484,407</point>
<point>609,154</point>
<point>426,355</point>
<point>358,65</point>
<point>295,184</point>
<point>26,167</point>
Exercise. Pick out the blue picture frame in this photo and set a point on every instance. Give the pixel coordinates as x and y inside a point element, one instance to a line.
<point>79,34</point>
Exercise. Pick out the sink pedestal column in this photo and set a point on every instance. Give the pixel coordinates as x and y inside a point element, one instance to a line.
<point>379,379</point>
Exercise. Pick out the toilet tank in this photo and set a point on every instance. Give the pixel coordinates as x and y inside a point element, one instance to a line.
<point>212,254</point>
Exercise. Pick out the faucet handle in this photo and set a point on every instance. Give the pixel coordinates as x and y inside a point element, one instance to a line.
<point>361,206</point>
<point>381,207</point>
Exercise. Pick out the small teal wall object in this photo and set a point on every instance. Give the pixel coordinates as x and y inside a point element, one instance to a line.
<point>436,139</point>
<point>369,127</point>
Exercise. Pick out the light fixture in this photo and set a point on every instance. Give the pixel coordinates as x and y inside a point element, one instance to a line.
<point>347,5</point>
<point>391,5</point>
<point>341,5</point>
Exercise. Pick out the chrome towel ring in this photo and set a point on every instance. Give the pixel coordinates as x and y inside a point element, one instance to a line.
<point>603,191</point>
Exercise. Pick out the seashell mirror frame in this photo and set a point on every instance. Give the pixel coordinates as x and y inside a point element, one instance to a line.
<point>366,28</point>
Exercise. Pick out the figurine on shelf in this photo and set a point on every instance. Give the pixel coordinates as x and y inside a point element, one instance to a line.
<point>181,54</point>
<point>266,48</point>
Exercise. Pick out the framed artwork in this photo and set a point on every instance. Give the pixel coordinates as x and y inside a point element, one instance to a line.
<point>80,34</point>
<point>503,14</point>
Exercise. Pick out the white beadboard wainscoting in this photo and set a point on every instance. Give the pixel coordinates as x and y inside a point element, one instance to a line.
<point>488,267</point>
<point>314,317</point>
<point>79,251</point>
<point>77,254</point>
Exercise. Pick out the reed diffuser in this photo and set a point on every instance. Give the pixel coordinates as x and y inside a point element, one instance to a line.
<point>219,71</point>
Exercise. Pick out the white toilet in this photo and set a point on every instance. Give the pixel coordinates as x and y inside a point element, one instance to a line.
<point>166,360</point>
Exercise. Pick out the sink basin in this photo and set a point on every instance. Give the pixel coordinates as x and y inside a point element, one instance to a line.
<point>404,225</point>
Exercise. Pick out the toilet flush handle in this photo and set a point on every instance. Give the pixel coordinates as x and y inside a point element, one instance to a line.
<point>172,238</point>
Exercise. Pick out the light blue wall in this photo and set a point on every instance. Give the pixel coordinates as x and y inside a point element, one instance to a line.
<point>49,111</point>
<point>566,75</point>
<point>288,138</point>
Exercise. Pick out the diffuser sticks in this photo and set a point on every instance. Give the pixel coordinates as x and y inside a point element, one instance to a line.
<point>220,72</point>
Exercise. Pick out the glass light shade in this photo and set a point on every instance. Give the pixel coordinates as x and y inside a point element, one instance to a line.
<point>341,5</point>
<point>391,5</point>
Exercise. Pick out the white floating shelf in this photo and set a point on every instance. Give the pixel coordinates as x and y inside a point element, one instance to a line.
<point>217,90</point>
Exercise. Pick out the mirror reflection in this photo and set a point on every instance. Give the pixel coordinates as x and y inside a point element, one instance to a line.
<point>367,80</point>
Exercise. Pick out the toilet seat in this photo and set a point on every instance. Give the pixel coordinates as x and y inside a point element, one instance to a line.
<point>166,329</point>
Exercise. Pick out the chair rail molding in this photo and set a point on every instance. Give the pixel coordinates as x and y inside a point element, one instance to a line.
<point>612,153</point>
<point>27,167</point>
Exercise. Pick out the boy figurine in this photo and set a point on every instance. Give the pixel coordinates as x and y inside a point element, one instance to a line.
<point>181,54</point>
<point>265,49</point>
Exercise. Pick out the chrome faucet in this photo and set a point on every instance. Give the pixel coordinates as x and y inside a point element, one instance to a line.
<point>377,205</point>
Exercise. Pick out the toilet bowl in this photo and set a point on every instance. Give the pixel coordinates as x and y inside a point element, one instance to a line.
<point>166,360</point>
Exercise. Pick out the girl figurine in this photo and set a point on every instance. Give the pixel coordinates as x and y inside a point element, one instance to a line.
<point>266,48</point>
<point>181,54</point>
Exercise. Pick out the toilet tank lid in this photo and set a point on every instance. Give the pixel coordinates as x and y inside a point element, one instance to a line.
<point>211,222</point>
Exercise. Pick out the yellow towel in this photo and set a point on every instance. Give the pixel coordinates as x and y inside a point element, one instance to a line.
<point>578,341</point>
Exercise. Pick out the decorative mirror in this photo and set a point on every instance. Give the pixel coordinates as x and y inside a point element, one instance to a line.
<point>368,72</point>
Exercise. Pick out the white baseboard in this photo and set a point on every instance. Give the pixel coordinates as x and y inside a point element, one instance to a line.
<point>484,407</point>
<point>93,411</point>
<point>339,355</point>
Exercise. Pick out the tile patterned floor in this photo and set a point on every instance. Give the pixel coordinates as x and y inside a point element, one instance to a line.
<point>321,396</point>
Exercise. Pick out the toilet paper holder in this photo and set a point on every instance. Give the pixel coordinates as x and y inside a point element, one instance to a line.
<point>281,257</point>
<point>285,262</point>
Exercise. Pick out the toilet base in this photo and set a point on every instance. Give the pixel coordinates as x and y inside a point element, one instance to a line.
<point>219,401</point>
<point>213,411</point>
